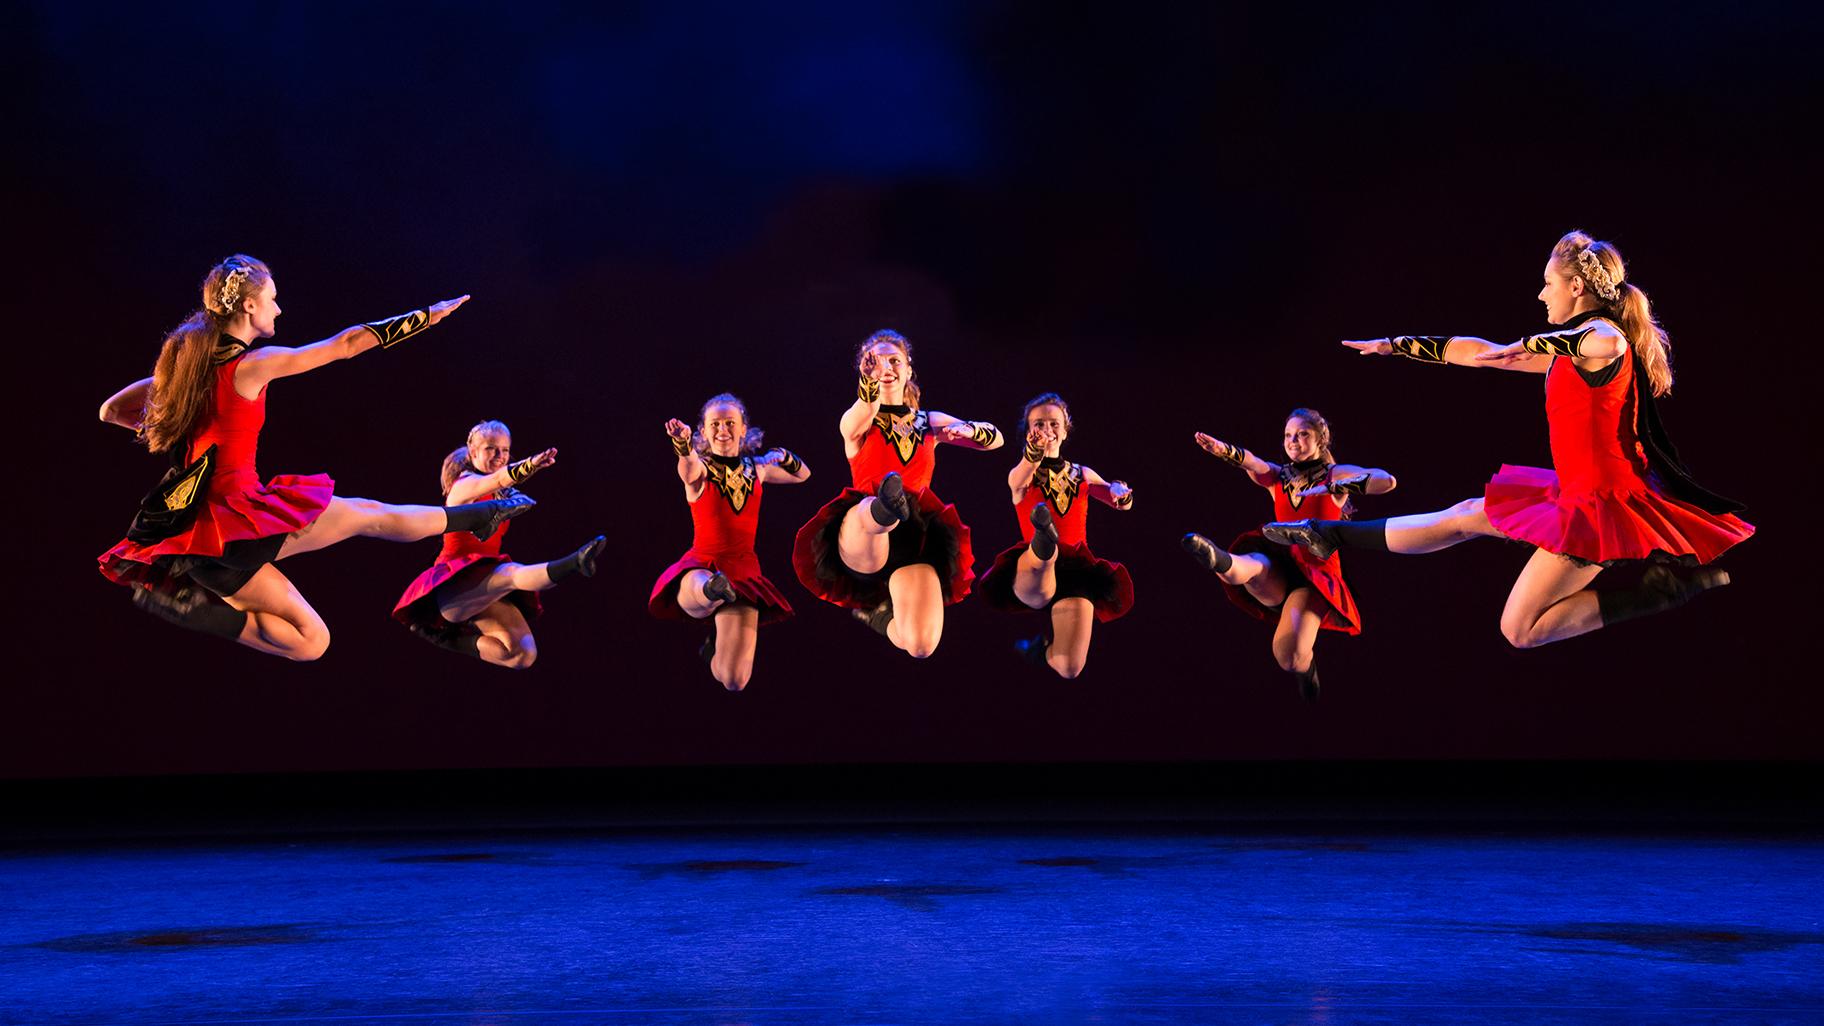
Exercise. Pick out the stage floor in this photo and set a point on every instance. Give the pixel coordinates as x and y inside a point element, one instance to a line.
<point>917,925</point>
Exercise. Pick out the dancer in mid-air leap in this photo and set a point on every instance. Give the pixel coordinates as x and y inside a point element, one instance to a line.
<point>202,547</point>
<point>1617,491</point>
<point>1052,568</point>
<point>719,579</point>
<point>1298,590</point>
<point>888,548</point>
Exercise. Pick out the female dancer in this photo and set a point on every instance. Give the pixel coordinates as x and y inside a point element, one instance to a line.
<point>211,529</point>
<point>1616,492</point>
<point>1299,590</point>
<point>1053,566</point>
<point>720,576</point>
<point>888,548</point>
<point>475,600</point>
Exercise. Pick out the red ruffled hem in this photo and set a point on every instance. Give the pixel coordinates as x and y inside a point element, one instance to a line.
<point>419,604</point>
<point>1080,574</point>
<point>1299,570</point>
<point>1607,526</point>
<point>743,572</point>
<point>935,534</point>
<point>287,503</point>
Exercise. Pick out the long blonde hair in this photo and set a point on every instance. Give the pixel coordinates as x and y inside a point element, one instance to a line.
<point>182,378</point>
<point>1599,264</point>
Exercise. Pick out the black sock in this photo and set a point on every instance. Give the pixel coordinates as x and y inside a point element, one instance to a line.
<point>193,608</point>
<point>582,561</point>
<point>481,518</point>
<point>1659,590</point>
<point>1354,534</point>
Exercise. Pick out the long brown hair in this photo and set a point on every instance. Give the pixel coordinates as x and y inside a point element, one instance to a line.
<point>1599,264</point>
<point>458,462</point>
<point>892,337</point>
<point>182,379</point>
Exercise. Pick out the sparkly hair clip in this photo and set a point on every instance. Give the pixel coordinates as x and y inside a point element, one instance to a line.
<point>1596,275</point>
<point>231,290</point>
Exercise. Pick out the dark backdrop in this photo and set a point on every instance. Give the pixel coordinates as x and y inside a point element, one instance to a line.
<point>1169,217</point>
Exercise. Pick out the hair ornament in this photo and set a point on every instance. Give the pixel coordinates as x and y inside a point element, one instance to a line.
<point>1590,268</point>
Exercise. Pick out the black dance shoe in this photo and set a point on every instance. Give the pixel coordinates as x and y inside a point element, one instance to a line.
<point>1300,532</point>
<point>720,590</point>
<point>1044,532</point>
<point>890,504</point>
<point>482,519</point>
<point>580,562</point>
<point>193,608</point>
<point>876,618</point>
<point>450,638</point>
<point>1206,552</point>
<point>1308,685</point>
<point>707,650</point>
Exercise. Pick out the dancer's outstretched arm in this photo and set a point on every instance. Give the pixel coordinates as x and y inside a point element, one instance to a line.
<point>127,407</point>
<point>1118,494</point>
<point>1593,345</point>
<point>1349,479</point>
<point>471,487</point>
<point>970,434</point>
<point>267,363</point>
<point>1261,472</point>
<point>690,465</point>
<point>781,466</point>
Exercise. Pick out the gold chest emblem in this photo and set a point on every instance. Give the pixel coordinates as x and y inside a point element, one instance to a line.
<point>1061,486</point>
<point>1293,483</point>
<point>904,432</point>
<point>735,483</point>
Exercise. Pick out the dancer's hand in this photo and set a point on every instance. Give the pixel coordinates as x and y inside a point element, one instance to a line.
<point>956,431</point>
<point>1209,444</point>
<point>441,310</point>
<point>543,460</point>
<point>1120,493</point>
<point>677,429</point>
<point>1372,347</point>
<point>1505,355</point>
<point>1336,485</point>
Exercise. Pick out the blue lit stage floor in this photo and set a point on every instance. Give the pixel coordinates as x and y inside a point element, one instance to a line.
<point>917,925</point>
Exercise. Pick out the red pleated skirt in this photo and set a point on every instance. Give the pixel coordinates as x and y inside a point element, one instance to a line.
<point>419,604</point>
<point>934,534</point>
<point>743,572</point>
<point>286,503</point>
<point>1080,574</point>
<point>1606,526</point>
<point>1299,570</point>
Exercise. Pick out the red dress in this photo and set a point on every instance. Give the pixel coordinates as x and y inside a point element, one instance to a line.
<point>464,563</point>
<point>1080,574</point>
<point>901,442</point>
<point>1295,562</point>
<point>1604,502</point>
<point>236,506</point>
<point>723,520</point>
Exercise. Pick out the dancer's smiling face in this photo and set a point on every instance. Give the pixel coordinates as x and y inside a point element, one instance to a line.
<point>724,426</point>
<point>1301,441</point>
<point>1049,422</point>
<point>490,451</point>
<point>888,364</point>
